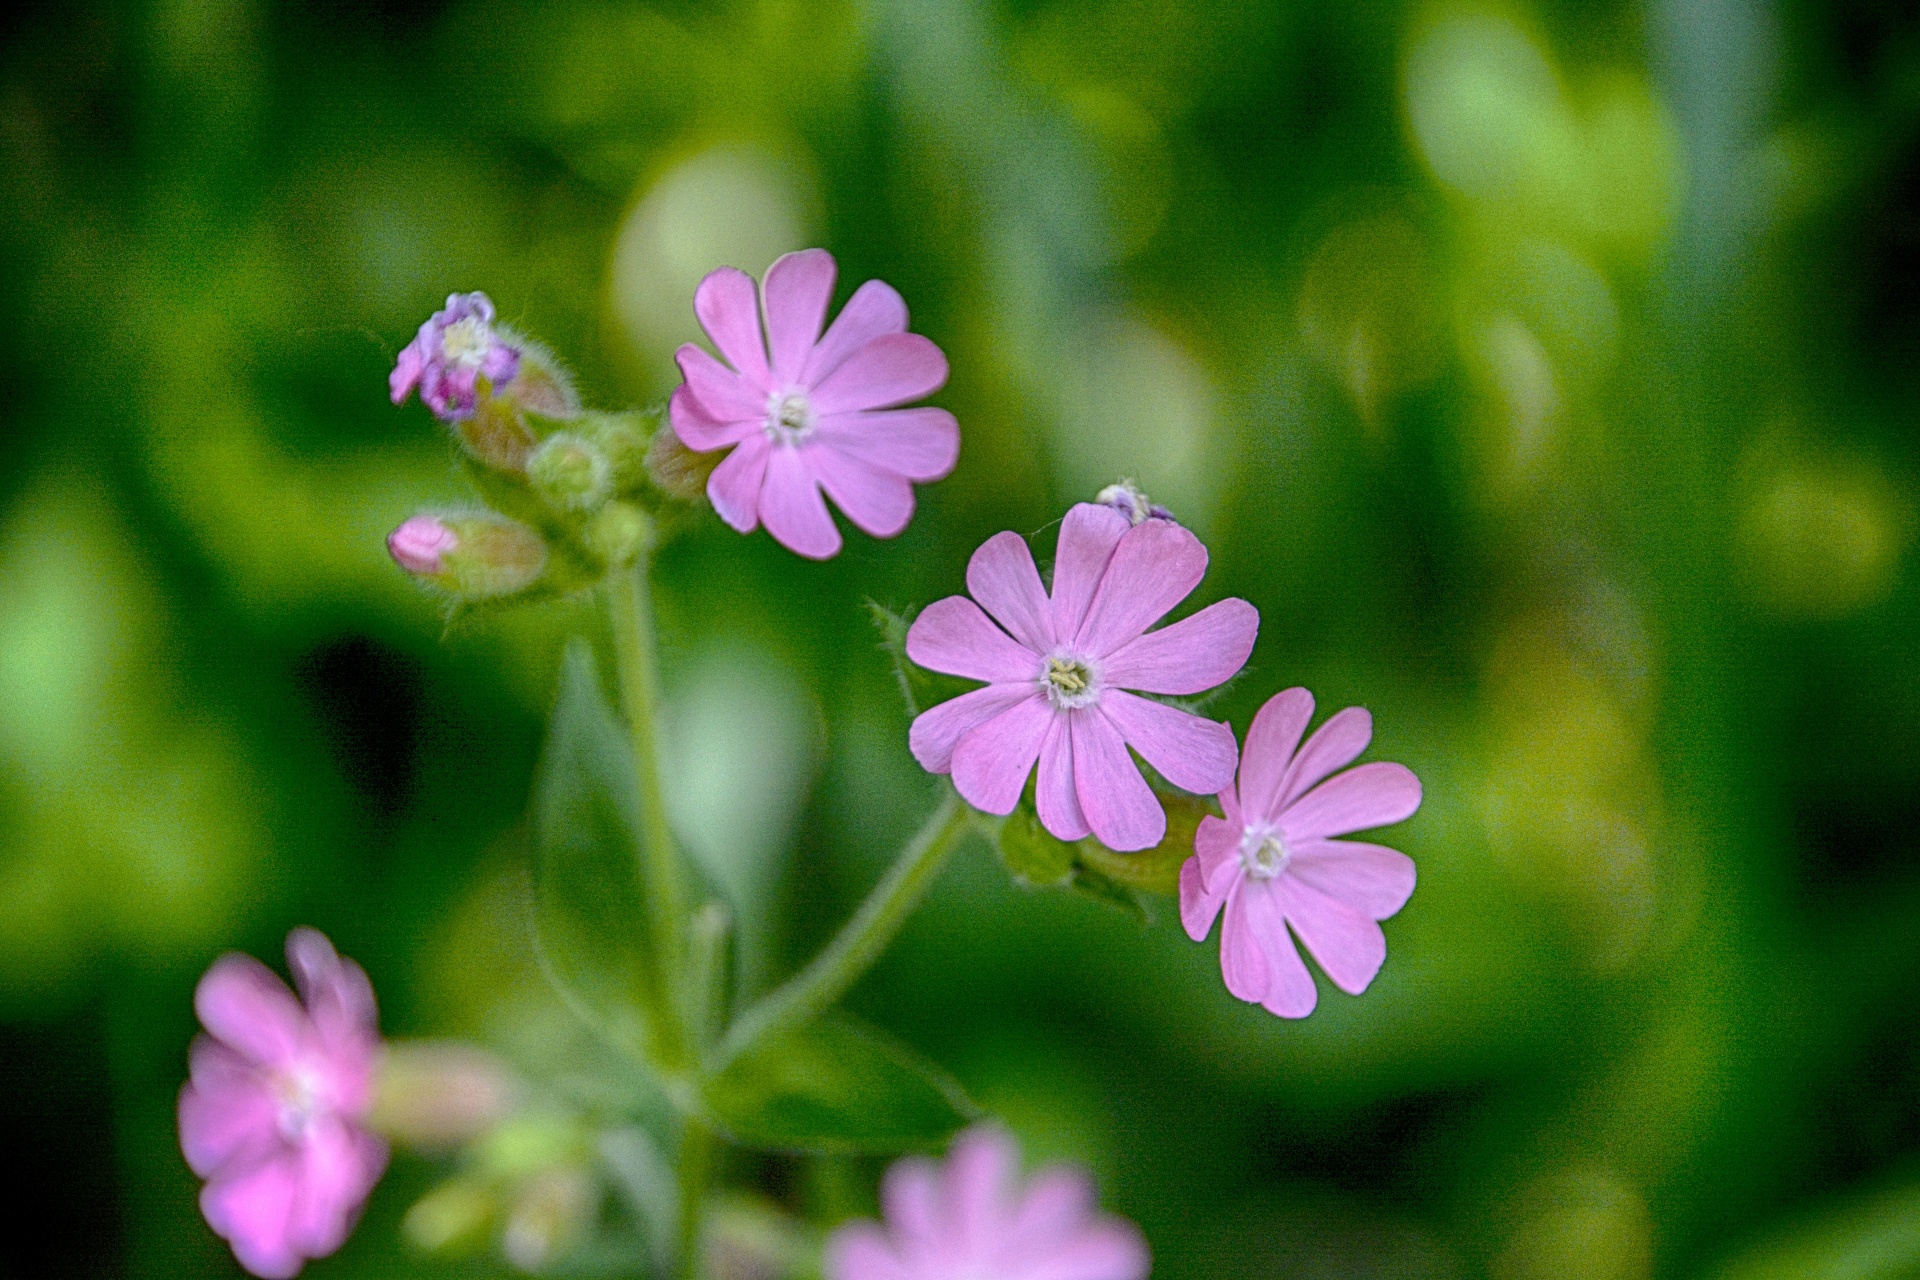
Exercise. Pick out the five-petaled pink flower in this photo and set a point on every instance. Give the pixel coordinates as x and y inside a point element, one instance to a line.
<point>971,1220</point>
<point>1058,675</point>
<point>273,1115</point>
<point>456,347</point>
<point>1273,861</point>
<point>806,412</point>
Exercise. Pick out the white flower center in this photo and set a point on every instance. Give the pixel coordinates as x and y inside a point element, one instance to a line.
<point>1070,682</point>
<point>789,417</point>
<point>465,342</point>
<point>1263,854</point>
<point>298,1092</point>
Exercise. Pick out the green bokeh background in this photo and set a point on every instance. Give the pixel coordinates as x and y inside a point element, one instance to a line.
<point>1545,375</point>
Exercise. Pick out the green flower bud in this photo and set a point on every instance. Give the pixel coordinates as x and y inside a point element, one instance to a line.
<point>570,472</point>
<point>454,1216</point>
<point>624,438</point>
<point>617,532</point>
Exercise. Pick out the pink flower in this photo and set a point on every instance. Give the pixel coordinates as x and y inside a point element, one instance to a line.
<point>971,1220</point>
<point>273,1115</point>
<point>455,348</point>
<point>1274,863</point>
<point>1057,677</point>
<point>820,414</point>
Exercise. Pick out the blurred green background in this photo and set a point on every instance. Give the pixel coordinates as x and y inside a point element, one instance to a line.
<point>1548,377</point>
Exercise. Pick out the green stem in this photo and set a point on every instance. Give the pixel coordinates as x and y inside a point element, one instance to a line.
<point>630,603</point>
<point>696,1170</point>
<point>809,993</point>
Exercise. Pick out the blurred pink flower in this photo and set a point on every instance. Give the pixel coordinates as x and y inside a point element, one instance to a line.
<point>1273,862</point>
<point>821,413</point>
<point>1058,673</point>
<point>272,1116</point>
<point>972,1220</point>
<point>455,348</point>
<point>419,543</point>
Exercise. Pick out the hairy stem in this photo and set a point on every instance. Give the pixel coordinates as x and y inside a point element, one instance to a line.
<point>859,943</point>
<point>630,602</point>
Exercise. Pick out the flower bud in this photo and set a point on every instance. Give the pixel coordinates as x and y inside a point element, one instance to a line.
<point>541,386</point>
<point>678,471</point>
<point>496,433</point>
<point>570,472</point>
<point>1126,498</point>
<point>617,532</point>
<point>624,439</point>
<point>438,1094</point>
<point>550,1212</point>
<point>451,1216</point>
<point>474,557</point>
<point>419,543</point>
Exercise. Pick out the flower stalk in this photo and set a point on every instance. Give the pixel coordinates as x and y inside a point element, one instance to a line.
<point>859,943</point>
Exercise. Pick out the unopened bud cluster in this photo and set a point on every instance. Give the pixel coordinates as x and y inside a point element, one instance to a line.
<point>568,490</point>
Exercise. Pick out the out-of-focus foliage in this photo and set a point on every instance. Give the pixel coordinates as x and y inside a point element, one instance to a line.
<point>1547,374</point>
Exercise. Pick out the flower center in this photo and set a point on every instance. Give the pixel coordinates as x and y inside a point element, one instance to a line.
<point>298,1092</point>
<point>1070,682</point>
<point>789,417</point>
<point>465,342</point>
<point>1263,854</point>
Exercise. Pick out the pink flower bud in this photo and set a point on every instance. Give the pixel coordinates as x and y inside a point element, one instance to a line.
<point>417,545</point>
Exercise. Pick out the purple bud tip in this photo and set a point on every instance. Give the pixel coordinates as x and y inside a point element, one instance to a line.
<point>417,545</point>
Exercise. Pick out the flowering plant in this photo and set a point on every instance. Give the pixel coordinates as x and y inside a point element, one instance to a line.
<point>1069,759</point>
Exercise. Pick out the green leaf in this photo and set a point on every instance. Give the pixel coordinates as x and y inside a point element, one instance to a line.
<point>1155,870</point>
<point>1031,854</point>
<point>589,905</point>
<point>837,1085</point>
<point>1096,884</point>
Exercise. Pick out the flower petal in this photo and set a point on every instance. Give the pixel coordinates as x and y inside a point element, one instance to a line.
<point>227,1111</point>
<point>1193,753</point>
<point>793,510</point>
<point>1271,738</point>
<point>1372,795</point>
<point>991,763</point>
<point>736,484</point>
<point>251,1210</point>
<point>795,292</point>
<point>875,308</point>
<point>1107,1249</point>
<point>1192,655</point>
<point>338,1166</point>
<point>1055,796</point>
<point>921,444</point>
<point>730,313</point>
<point>337,994</point>
<point>1198,905</point>
<point>878,502</point>
<point>1155,567</point>
<point>861,1251</point>
<point>1058,1202</point>
<point>1217,844</point>
<point>1290,990</point>
<point>242,1003</point>
<point>1346,943</point>
<point>406,371</point>
<point>910,1196</point>
<point>1243,963</point>
<point>1370,878</point>
<point>1334,745</point>
<point>699,430</point>
<point>1088,536</point>
<point>1002,578</point>
<point>891,370</point>
<point>1119,805</point>
<point>953,635</point>
<point>979,1174</point>
<point>723,394</point>
<point>936,731</point>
